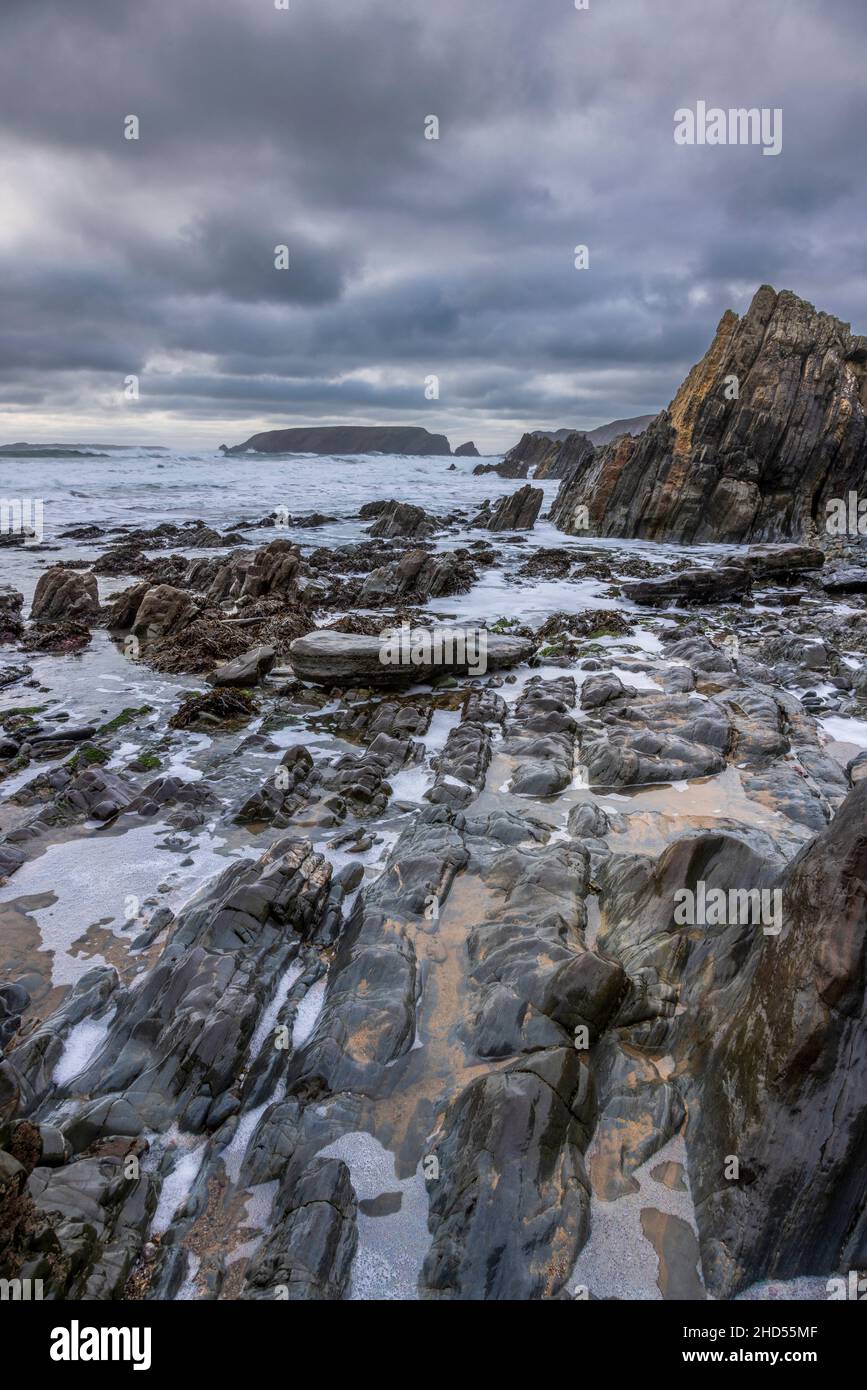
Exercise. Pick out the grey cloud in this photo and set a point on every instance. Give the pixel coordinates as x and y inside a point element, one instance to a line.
<point>409,257</point>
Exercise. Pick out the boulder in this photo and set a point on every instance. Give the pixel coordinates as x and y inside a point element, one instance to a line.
<point>775,561</point>
<point>851,579</point>
<point>64,595</point>
<point>163,612</point>
<point>11,622</point>
<point>416,577</point>
<point>402,519</point>
<point>273,569</point>
<point>333,658</point>
<point>515,513</point>
<point>248,669</point>
<point>716,584</point>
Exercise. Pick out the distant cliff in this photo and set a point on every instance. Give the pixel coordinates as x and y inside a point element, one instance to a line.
<point>344,439</point>
<point>558,453</point>
<point>766,429</point>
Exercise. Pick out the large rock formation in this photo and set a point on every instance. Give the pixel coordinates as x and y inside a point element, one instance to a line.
<point>550,458</point>
<point>345,439</point>
<point>517,512</point>
<point>766,429</point>
<point>781,1071</point>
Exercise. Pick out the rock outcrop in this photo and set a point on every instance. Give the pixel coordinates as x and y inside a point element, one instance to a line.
<point>550,458</point>
<point>11,622</point>
<point>399,520</point>
<point>515,513</point>
<point>765,431</point>
<point>467,451</point>
<point>716,584</point>
<point>64,596</point>
<point>781,1077</point>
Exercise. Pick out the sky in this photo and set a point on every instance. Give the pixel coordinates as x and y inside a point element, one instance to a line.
<point>409,258</point>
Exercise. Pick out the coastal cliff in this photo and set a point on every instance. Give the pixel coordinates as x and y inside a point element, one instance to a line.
<point>765,430</point>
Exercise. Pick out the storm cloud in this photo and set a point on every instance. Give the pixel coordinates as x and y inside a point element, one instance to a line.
<point>408,258</point>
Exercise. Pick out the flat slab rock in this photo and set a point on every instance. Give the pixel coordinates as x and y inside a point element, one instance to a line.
<point>338,658</point>
<point>716,584</point>
<point>851,580</point>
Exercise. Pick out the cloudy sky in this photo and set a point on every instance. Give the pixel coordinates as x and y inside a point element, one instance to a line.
<point>409,258</point>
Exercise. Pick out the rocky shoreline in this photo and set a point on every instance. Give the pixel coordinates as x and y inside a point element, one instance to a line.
<point>448,954</point>
<point>461,957</point>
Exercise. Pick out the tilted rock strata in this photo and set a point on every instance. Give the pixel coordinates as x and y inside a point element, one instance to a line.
<point>763,433</point>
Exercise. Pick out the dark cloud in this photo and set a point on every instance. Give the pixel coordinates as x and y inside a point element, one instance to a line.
<point>407,257</point>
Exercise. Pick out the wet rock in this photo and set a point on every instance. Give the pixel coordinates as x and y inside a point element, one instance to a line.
<point>541,737</point>
<point>274,569</point>
<point>14,999</point>
<point>780,1076</point>
<point>717,584</point>
<point>649,738</point>
<point>100,1216</point>
<point>776,561</point>
<point>334,658</point>
<point>515,513</point>
<point>10,675</point>
<point>857,768</point>
<point>247,670</point>
<point>37,1056</point>
<point>163,612</point>
<point>309,1252</point>
<point>462,765</point>
<point>467,450</point>
<point>65,596</point>
<point>401,717</point>
<point>638,1113</point>
<point>183,805</point>
<point>368,1019</point>
<point>119,614</point>
<point>182,1040</point>
<point>851,579</point>
<point>29,1247</point>
<point>94,794</point>
<point>416,577</point>
<point>509,1211</point>
<point>404,520</point>
<point>11,621</point>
